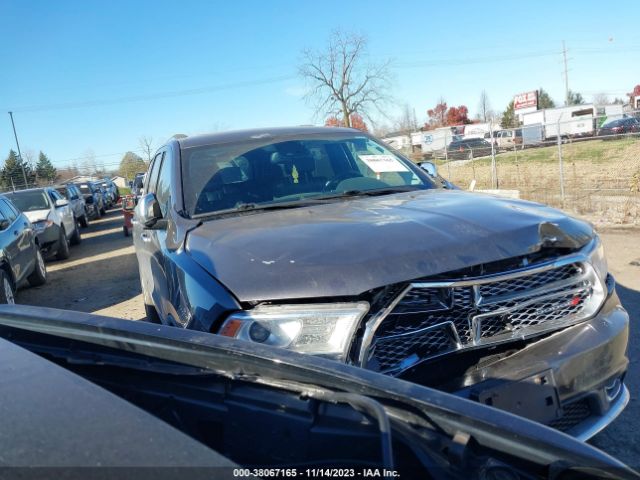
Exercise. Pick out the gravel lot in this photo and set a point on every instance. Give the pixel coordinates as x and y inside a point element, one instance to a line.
<point>101,276</point>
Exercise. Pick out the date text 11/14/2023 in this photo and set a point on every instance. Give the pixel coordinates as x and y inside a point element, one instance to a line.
<point>316,472</point>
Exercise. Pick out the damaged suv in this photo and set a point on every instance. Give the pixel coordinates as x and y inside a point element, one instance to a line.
<point>327,242</point>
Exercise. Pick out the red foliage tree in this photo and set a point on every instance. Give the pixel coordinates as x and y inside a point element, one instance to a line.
<point>332,122</point>
<point>358,122</point>
<point>438,115</point>
<point>458,116</point>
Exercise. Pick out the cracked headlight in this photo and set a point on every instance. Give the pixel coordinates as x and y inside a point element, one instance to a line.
<point>317,329</point>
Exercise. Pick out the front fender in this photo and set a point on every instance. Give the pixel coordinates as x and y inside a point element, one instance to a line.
<point>196,300</point>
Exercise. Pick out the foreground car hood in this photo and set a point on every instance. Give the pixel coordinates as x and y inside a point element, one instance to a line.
<point>37,215</point>
<point>349,247</point>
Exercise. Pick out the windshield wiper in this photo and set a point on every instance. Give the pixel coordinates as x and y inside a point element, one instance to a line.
<point>371,193</point>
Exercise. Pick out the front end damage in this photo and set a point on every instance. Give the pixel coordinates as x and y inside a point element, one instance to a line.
<point>543,336</point>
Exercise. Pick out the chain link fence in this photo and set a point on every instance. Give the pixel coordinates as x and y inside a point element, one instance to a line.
<point>594,173</point>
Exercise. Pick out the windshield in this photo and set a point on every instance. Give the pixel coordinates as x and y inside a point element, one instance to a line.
<point>85,189</point>
<point>30,201</point>
<point>226,176</point>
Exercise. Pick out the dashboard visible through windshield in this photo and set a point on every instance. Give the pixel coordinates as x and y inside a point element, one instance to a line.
<point>223,177</point>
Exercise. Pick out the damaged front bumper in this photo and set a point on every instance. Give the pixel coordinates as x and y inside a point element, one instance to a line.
<point>572,380</point>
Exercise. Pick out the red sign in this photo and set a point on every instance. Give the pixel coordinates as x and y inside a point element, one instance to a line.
<point>525,100</point>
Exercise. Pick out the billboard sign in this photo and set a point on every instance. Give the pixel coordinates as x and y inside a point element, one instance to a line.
<point>526,100</point>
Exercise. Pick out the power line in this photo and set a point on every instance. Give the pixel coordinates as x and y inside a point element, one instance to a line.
<point>154,96</point>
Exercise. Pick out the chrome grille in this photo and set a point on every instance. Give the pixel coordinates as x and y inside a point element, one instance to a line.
<point>429,319</point>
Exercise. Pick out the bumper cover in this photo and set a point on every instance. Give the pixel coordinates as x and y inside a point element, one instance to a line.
<point>586,362</point>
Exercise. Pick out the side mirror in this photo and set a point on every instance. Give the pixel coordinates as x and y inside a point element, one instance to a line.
<point>4,224</point>
<point>62,203</point>
<point>148,211</point>
<point>430,168</point>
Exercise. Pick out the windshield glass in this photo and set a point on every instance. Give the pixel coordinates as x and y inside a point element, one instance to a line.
<point>221,177</point>
<point>30,201</point>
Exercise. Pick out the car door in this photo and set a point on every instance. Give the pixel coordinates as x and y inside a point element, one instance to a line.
<point>142,239</point>
<point>9,244</point>
<point>65,213</point>
<point>23,237</point>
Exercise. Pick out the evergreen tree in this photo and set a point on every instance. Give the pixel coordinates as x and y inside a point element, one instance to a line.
<point>14,171</point>
<point>544,100</point>
<point>509,118</point>
<point>45,170</point>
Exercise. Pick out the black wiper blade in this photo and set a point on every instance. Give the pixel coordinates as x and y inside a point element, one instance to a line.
<point>250,207</point>
<point>370,193</point>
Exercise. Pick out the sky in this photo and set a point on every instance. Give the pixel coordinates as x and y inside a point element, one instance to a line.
<point>89,78</point>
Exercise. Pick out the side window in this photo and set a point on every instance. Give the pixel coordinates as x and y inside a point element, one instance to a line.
<point>163,186</point>
<point>13,208</point>
<point>2,216</point>
<point>151,178</point>
<point>7,212</point>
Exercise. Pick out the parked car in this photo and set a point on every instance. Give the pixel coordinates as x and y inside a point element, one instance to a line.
<point>111,189</point>
<point>323,241</point>
<point>93,200</point>
<point>138,395</point>
<point>20,258</point>
<point>107,200</point>
<point>468,148</point>
<point>76,201</point>
<point>621,126</point>
<point>137,184</point>
<point>509,139</point>
<point>51,217</point>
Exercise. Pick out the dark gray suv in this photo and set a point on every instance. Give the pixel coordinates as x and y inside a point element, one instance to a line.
<point>325,241</point>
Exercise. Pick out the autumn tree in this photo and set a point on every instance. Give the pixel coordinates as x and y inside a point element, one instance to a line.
<point>458,116</point>
<point>357,121</point>
<point>45,169</point>
<point>342,80</point>
<point>332,121</point>
<point>438,114</point>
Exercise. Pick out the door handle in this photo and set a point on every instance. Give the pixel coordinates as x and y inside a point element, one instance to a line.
<point>145,237</point>
<point>15,232</point>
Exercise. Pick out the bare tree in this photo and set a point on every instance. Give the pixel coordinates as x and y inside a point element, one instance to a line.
<point>601,99</point>
<point>484,107</point>
<point>406,122</point>
<point>146,145</point>
<point>342,81</point>
<point>88,165</point>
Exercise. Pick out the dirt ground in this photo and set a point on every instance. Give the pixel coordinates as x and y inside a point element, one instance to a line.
<point>101,276</point>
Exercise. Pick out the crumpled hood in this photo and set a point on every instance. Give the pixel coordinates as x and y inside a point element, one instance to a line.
<point>37,215</point>
<point>349,247</point>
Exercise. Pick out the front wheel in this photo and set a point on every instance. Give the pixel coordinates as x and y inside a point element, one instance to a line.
<point>76,238</point>
<point>84,223</point>
<point>63,246</point>
<point>39,275</point>
<point>7,294</point>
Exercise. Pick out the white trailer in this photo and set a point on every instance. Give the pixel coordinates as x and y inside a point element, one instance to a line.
<point>435,142</point>
<point>571,122</point>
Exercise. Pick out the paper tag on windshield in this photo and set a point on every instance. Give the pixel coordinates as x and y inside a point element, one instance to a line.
<point>383,163</point>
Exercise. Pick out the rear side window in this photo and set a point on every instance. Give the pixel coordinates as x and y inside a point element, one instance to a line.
<point>151,179</point>
<point>6,210</point>
<point>163,185</point>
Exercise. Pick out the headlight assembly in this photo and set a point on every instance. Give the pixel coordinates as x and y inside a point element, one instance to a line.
<point>319,329</point>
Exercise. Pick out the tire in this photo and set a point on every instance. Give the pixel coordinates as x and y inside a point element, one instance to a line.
<point>7,292</point>
<point>152,314</point>
<point>39,275</point>
<point>76,238</point>
<point>84,223</point>
<point>103,211</point>
<point>63,246</point>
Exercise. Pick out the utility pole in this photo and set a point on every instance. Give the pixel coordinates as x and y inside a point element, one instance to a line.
<point>24,175</point>
<point>566,74</point>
